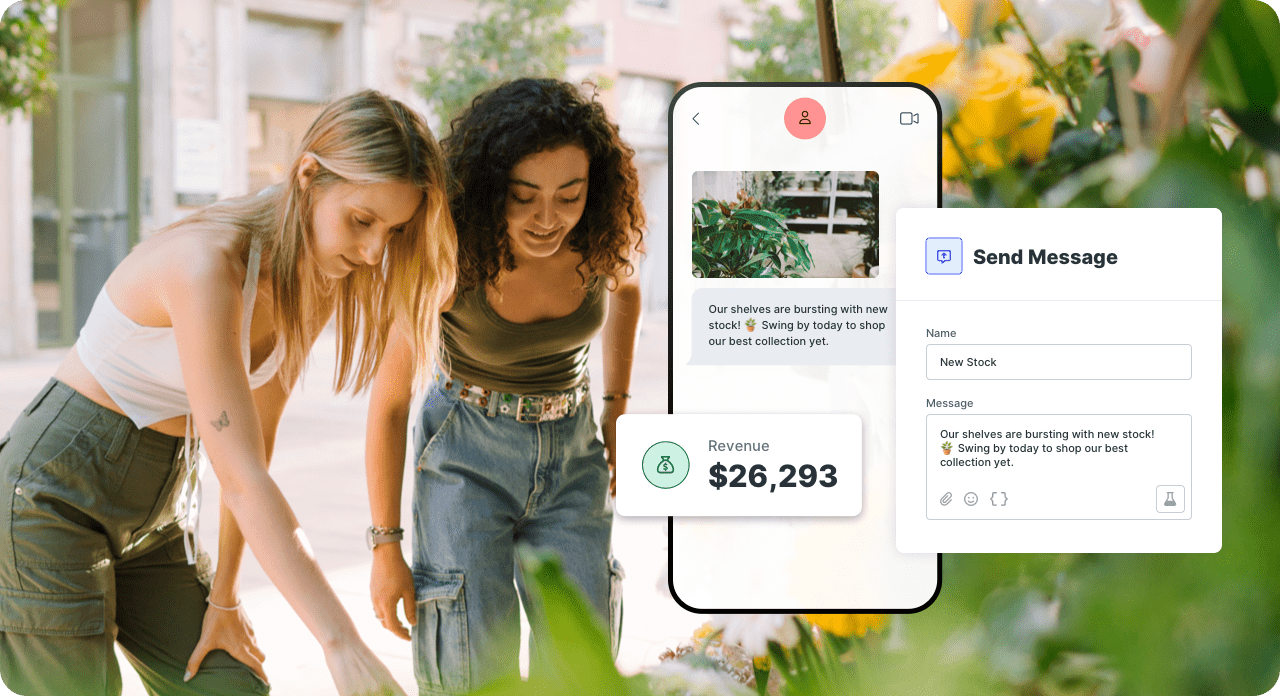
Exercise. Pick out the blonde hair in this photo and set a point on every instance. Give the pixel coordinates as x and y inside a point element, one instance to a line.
<point>363,138</point>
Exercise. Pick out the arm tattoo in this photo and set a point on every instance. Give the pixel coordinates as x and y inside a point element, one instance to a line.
<point>222,422</point>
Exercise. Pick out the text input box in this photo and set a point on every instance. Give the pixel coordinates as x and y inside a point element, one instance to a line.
<point>1058,361</point>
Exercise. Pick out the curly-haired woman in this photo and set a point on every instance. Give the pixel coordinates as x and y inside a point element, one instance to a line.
<point>203,329</point>
<point>549,220</point>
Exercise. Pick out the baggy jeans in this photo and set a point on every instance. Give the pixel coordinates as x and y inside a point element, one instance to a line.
<point>483,483</point>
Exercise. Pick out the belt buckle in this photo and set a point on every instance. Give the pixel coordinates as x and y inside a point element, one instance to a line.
<point>531,405</point>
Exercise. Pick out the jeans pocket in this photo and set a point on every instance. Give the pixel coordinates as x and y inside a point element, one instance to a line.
<point>442,654</point>
<point>432,426</point>
<point>615,604</point>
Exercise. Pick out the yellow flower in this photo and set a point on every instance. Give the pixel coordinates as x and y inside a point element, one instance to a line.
<point>1030,137</point>
<point>1040,110</point>
<point>952,167</point>
<point>988,89</point>
<point>923,66</point>
<point>989,151</point>
<point>703,632</point>
<point>975,17</point>
<point>761,662</point>
<point>849,624</point>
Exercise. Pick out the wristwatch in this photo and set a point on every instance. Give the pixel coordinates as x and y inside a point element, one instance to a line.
<point>383,535</point>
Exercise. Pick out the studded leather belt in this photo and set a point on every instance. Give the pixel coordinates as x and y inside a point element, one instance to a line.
<point>525,408</point>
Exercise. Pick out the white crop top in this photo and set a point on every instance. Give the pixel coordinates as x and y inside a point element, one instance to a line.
<point>138,365</point>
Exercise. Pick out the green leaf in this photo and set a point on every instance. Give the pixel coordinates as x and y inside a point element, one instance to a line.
<point>578,658</point>
<point>1241,60</point>
<point>1094,99</point>
<point>764,220</point>
<point>701,264</point>
<point>1260,127</point>
<point>1166,13</point>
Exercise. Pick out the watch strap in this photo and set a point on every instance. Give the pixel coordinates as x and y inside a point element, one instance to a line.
<point>383,535</point>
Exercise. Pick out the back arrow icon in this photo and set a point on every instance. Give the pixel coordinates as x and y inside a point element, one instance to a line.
<point>695,118</point>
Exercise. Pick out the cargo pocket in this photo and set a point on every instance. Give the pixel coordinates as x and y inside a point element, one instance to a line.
<point>442,655</point>
<point>42,614</point>
<point>615,604</point>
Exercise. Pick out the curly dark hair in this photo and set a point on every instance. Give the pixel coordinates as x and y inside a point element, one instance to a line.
<point>524,117</point>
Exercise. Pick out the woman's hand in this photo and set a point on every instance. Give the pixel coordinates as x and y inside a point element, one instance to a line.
<point>358,672</point>
<point>229,631</point>
<point>609,428</point>
<point>392,582</point>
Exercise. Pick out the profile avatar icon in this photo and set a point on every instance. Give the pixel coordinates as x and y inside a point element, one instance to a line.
<point>804,118</point>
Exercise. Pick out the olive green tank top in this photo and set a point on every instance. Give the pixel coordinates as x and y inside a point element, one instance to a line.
<point>547,356</point>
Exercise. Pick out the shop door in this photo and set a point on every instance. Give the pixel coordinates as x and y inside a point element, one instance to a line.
<point>85,164</point>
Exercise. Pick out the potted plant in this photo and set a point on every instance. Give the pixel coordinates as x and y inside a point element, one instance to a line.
<point>740,239</point>
<point>751,325</point>
<point>946,447</point>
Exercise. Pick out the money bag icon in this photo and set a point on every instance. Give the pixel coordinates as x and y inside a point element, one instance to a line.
<point>665,466</point>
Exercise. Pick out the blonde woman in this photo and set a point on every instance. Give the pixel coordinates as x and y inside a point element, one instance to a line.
<point>201,332</point>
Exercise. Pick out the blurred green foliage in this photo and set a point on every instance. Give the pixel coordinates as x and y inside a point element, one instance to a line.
<point>784,47</point>
<point>509,39</point>
<point>27,53</point>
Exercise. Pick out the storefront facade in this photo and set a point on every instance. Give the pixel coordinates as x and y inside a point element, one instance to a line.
<point>167,105</point>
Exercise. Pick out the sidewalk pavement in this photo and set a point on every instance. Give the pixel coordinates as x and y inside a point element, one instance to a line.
<point>319,464</point>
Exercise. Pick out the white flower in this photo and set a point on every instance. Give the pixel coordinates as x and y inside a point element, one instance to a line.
<point>1055,23</point>
<point>754,631</point>
<point>1155,49</point>
<point>679,678</point>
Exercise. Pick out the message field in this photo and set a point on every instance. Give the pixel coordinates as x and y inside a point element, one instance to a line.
<point>737,465</point>
<point>1058,361</point>
<point>1102,466</point>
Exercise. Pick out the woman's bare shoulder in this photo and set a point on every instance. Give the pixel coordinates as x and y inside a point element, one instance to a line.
<point>194,258</point>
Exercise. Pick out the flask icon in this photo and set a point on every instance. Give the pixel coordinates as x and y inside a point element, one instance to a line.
<point>665,466</point>
<point>1169,501</point>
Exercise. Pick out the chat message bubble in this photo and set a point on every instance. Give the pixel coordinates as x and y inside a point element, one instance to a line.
<point>812,326</point>
<point>1063,467</point>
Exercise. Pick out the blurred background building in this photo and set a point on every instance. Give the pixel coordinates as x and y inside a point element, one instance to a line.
<point>166,105</point>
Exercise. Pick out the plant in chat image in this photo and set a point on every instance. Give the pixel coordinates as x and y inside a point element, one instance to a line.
<point>750,324</point>
<point>786,224</point>
<point>946,448</point>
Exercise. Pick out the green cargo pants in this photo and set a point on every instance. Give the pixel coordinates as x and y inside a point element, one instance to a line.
<point>91,553</point>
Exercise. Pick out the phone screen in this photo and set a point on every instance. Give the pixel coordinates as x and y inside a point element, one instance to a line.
<point>783,203</point>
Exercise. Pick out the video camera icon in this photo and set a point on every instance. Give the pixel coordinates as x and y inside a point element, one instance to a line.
<point>907,118</point>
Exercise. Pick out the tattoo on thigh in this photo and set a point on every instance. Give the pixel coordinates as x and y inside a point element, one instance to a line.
<point>222,422</point>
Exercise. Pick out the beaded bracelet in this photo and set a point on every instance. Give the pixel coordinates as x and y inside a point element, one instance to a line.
<point>210,602</point>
